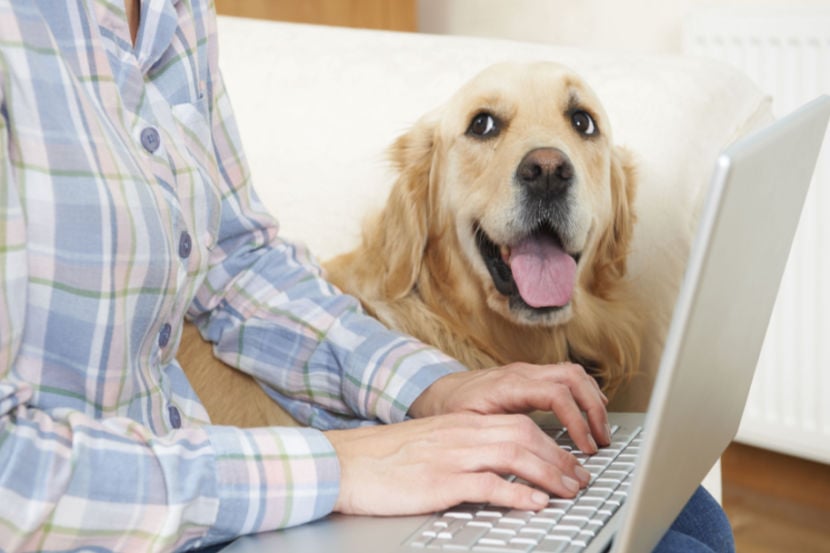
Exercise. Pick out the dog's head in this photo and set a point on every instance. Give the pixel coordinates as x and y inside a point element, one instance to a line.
<point>517,182</point>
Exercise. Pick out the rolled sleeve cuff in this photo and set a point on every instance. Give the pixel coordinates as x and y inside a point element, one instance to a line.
<point>400,374</point>
<point>270,478</point>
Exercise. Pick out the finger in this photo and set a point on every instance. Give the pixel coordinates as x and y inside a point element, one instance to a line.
<point>579,376</point>
<point>598,388</point>
<point>519,430</point>
<point>558,397</point>
<point>564,476</point>
<point>486,487</point>
<point>568,412</point>
<point>585,388</point>
<point>567,393</point>
<point>589,399</point>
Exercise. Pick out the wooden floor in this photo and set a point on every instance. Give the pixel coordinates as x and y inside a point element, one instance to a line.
<point>776,503</point>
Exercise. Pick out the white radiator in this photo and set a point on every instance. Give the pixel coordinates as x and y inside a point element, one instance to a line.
<point>788,56</point>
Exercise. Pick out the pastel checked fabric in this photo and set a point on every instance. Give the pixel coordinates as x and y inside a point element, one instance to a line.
<point>126,206</point>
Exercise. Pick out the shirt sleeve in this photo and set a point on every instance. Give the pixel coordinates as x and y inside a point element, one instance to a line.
<point>269,312</point>
<point>70,480</point>
<point>113,484</point>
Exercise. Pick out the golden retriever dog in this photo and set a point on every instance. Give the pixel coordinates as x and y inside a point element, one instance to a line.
<point>504,237</point>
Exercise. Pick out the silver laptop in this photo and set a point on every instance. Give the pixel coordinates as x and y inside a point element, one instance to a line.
<point>642,482</point>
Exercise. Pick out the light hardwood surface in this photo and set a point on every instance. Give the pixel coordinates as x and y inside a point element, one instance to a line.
<point>396,15</point>
<point>776,503</point>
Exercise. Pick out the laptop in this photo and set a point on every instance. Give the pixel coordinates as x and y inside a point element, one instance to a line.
<point>720,319</point>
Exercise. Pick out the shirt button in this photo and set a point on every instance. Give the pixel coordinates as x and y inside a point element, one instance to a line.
<point>185,244</point>
<point>164,335</point>
<point>175,417</point>
<point>150,139</point>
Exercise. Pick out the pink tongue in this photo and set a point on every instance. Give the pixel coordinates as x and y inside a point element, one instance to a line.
<point>543,272</point>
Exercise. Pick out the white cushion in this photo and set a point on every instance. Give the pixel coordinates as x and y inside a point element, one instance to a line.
<point>317,107</point>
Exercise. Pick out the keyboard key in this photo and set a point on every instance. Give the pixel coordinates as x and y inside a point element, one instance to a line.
<point>466,537</point>
<point>548,516</point>
<point>517,517</point>
<point>533,531</point>
<point>494,538</point>
<point>563,533</point>
<point>509,529</point>
<point>489,513</point>
<point>622,466</point>
<point>586,511</point>
<point>488,548</point>
<point>445,521</point>
<point>602,488</point>
<point>420,541</point>
<point>551,545</point>
<point>558,503</point>
<point>576,521</point>
<point>542,525</point>
<point>436,528</point>
<point>593,526</point>
<point>526,539</point>
<point>520,547</point>
<point>588,501</point>
<point>451,530</point>
<point>587,534</point>
<point>607,452</point>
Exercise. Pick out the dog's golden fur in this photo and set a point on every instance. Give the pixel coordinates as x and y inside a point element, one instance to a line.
<point>420,267</point>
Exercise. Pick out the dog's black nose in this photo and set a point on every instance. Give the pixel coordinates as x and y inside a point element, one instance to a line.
<point>546,172</point>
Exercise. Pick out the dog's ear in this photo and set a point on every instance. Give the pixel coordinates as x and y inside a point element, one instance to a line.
<point>404,222</point>
<point>614,243</point>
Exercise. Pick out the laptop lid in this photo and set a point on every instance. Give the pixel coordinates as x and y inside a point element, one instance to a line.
<point>720,319</point>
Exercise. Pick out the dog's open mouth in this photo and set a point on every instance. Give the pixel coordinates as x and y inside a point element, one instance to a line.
<point>536,270</point>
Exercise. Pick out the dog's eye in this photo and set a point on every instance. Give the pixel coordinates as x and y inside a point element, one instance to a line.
<point>584,123</point>
<point>483,125</point>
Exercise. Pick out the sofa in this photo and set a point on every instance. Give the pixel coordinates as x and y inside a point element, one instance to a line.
<point>318,106</point>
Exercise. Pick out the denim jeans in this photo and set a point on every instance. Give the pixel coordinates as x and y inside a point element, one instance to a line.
<point>701,527</point>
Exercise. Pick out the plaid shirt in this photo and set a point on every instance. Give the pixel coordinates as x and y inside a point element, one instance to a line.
<point>125,207</point>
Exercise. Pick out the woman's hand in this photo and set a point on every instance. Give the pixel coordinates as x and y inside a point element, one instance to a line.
<point>465,435</point>
<point>429,464</point>
<point>565,389</point>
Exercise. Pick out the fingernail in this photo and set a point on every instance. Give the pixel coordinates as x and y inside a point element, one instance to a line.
<point>583,475</point>
<point>570,483</point>
<point>593,443</point>
<point>540,498</point>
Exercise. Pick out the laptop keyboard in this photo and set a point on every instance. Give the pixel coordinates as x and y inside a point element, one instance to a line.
<point>565,525</point>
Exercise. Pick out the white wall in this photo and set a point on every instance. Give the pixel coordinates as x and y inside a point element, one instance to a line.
<point>634,25</point>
